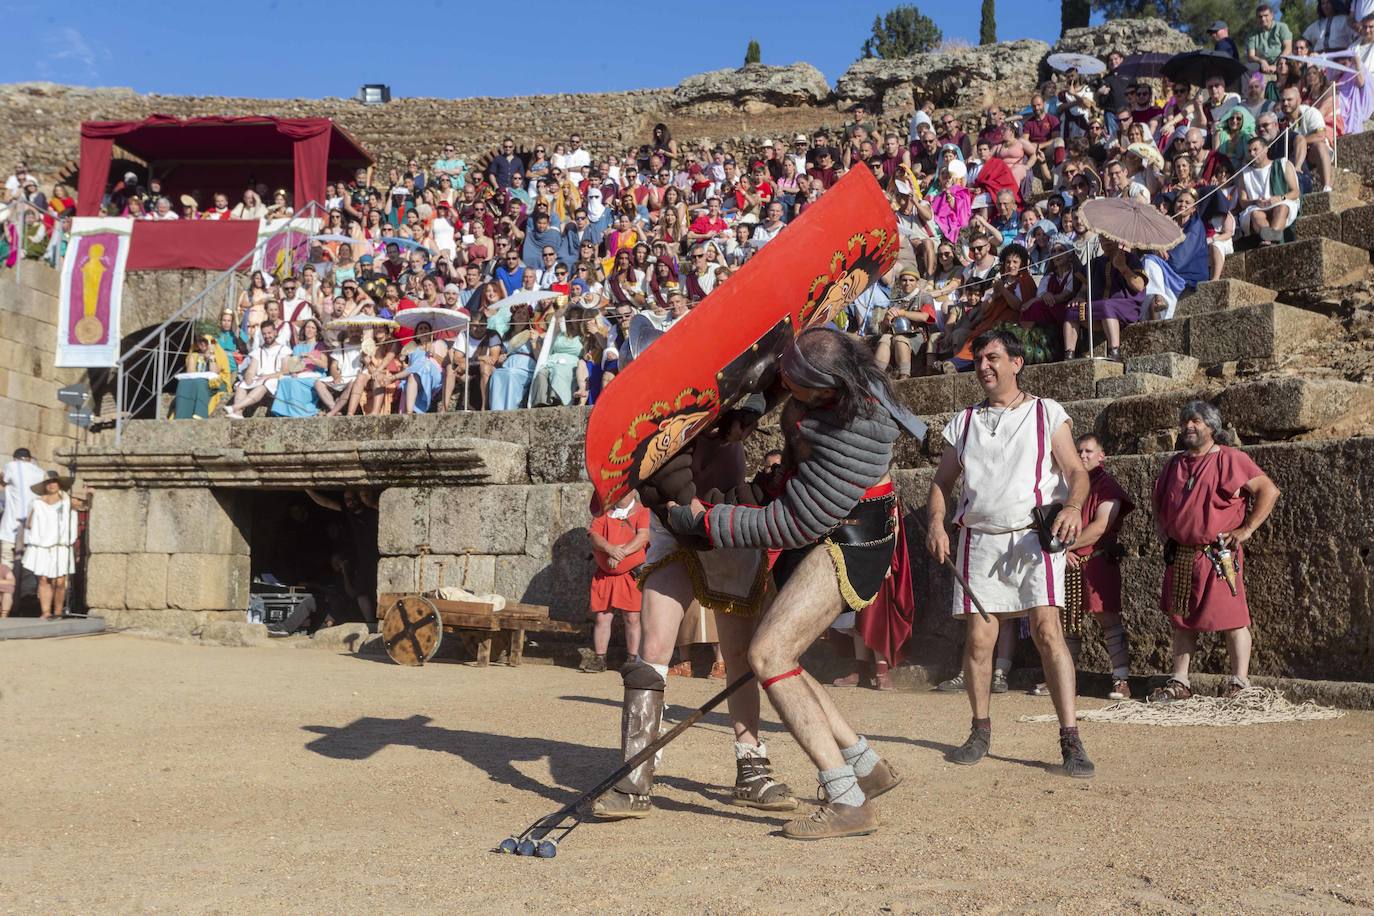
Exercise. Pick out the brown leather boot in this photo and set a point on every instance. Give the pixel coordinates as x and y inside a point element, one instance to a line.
<point>884,778</point>
<point>831,821</point>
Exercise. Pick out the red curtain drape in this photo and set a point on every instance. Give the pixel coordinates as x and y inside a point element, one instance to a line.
<point>310,153</point>
<point>311,139</point>
<point>95,172</point>
<point>203,244</point>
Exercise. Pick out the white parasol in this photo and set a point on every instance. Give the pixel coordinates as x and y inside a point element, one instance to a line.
<point>439,319</point>
<point>526,296</point>
<point>361,322</point>
<point>1322,60</point>
<point>1085,64</point>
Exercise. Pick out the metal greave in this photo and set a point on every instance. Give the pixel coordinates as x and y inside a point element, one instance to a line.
<point>640,717</point>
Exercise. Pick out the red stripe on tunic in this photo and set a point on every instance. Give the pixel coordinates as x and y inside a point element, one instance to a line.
<point>1039,469</point>
<point>968,602</point>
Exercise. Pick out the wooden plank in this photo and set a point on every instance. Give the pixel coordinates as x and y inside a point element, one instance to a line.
<point>516,654</point>
<point>537,610</point>
<point>470,621</point>
<point>483,651</point>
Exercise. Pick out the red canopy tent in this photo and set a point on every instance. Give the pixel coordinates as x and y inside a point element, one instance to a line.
<point>207,155</point>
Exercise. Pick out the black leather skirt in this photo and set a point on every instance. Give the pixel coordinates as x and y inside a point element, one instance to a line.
<point>860,548</point>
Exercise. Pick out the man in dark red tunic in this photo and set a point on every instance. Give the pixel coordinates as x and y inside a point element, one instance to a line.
<point>1095,557</point>
<point>1208,502</point>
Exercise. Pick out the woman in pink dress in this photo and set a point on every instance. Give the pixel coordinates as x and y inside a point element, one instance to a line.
<point>1017,152</point>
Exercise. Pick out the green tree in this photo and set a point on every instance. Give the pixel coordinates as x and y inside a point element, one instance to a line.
<point>987,26</point>
<point>752,55</point>
<point>1140,9</point>
<point>1298,15</point>
<point>904,31</point>
<point>1074,14</point>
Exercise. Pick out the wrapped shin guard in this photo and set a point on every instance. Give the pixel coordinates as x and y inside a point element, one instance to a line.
<point>639,722</point>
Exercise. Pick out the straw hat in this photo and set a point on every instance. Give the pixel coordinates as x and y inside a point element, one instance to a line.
<point>41,487</point>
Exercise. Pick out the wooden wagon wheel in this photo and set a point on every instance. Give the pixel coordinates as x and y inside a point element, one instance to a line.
<point>412,631</point>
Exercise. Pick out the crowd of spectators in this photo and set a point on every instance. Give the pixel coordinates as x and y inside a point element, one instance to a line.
<point>549,252</point>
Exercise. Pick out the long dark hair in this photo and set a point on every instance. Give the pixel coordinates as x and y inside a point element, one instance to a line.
<point>850,363</point>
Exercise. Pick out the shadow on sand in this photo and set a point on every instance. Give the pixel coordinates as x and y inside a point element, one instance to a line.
<point>570,764</point>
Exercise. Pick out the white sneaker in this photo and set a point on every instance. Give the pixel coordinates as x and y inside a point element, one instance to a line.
<point>1326,190</point>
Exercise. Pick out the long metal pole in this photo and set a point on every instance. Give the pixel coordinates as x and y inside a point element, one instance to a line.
<point>119,403</point>
<point>160,364</point>
<point>576,806</point>
<point>1088,311</point>
<point>21,217</point>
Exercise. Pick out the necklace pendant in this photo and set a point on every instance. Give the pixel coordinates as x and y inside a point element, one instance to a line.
<point>1188,487</point>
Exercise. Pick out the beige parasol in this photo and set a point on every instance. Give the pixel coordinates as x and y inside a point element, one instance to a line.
<point>1128,222</point>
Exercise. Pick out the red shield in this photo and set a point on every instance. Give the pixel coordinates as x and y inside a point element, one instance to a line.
<point>816,267</point>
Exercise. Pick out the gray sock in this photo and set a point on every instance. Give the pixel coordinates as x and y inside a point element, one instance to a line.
<point>861,757</point>
<point>842,786</point>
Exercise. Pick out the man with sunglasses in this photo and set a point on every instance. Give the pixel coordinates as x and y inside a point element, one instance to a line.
<point>505,165</point>
<point>510,271</point>
<point>451,165</point>
<point>952,131</point>
<point>579,232</point>
<point>1143,109</point>
<point>996,130</point>
<point>799,153</point>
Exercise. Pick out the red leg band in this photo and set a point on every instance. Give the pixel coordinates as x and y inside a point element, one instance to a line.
<point>769,682</point>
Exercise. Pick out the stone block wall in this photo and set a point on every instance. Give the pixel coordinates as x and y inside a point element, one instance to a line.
<point>41,119</point>
<point>526,542</point>
<point>153,296</point>
<point>165,549</point>
<point>30,414</point>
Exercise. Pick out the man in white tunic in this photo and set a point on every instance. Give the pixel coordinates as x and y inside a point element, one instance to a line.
<point>1016,453</point>
<point>20,475</point>
<point>262,373</point>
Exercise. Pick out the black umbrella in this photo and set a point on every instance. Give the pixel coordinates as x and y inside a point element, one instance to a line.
<point>1196,67</point>
<point>1143,66</point>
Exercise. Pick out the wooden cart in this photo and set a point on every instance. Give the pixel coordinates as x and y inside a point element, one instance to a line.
<point>413,626</point>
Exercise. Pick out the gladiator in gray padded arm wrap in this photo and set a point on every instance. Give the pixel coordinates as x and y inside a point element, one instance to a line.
<point>844,462</point>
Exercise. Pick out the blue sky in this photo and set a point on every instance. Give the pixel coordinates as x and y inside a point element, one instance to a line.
<point>286,48</point>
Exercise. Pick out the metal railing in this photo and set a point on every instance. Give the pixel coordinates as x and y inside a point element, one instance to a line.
<point>20,220</point>
<point>146,368</point>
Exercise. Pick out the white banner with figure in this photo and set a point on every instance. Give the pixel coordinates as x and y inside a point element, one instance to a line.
<point>282,253</point>
<point>92,292</point>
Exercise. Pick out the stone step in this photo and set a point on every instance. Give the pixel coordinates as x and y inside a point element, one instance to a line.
<point>1265,332</point>
<point>1262,409</point>
<point>1317,225</point>
<point>1169,365</point>
<point>1357,226</point>
<point>1319,203</point>
<point>1303,264</point>
<point>1280,408</point>
<point>1071,380</point>
<point>1355,155</point>
<point>1216,295</point>
<point>1133,383</point>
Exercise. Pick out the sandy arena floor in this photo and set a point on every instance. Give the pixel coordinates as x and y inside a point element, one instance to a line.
<point>143,776</point>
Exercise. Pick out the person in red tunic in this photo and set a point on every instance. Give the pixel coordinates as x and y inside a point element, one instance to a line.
<point>619,539</point>
<point>1208,501</point>
<point>1096,557</point>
